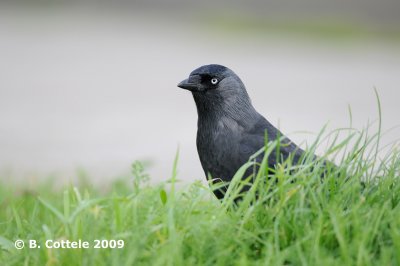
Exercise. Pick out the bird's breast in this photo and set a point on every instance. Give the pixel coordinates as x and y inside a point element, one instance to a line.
<point>217,145</point>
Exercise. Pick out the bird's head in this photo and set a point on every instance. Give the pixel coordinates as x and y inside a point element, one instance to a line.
<point>212,79</point>
<point>216,88</point>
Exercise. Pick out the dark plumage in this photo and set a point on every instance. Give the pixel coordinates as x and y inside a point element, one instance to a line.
<point>229,130</point>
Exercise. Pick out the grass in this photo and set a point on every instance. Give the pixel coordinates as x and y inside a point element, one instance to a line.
<point>330,30</point>
<point>352,217</point>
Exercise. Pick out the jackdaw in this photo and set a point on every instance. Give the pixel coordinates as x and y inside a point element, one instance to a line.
<point>229,129</point>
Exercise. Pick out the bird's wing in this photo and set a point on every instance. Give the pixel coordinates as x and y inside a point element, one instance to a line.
<point>254,139</point>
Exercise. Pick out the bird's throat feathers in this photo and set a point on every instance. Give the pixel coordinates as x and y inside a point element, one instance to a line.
<point>213,106</point>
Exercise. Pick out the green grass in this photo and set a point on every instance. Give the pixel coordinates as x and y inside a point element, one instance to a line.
<point>352,217</point>
<point>331,30</point>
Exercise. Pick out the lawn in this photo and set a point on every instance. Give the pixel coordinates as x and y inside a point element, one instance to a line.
<point>293,217</point>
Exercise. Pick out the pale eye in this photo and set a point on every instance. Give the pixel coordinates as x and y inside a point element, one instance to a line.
<point>214,81</point>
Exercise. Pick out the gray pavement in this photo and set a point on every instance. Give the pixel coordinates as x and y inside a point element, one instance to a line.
<point>98,92</point>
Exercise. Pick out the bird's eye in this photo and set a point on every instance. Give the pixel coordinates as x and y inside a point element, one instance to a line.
<point>214,81</point>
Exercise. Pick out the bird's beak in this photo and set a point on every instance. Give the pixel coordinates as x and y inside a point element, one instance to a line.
<point>185,84</point>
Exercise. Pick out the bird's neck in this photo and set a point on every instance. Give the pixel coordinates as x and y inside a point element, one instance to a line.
<point>216,107</point>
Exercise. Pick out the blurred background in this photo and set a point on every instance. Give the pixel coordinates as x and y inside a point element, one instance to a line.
<point>91,85</point>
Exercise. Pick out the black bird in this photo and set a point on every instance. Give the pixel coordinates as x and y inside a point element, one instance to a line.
<point>229,129</point>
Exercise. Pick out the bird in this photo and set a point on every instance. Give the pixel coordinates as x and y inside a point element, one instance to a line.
<point>229,129</point>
